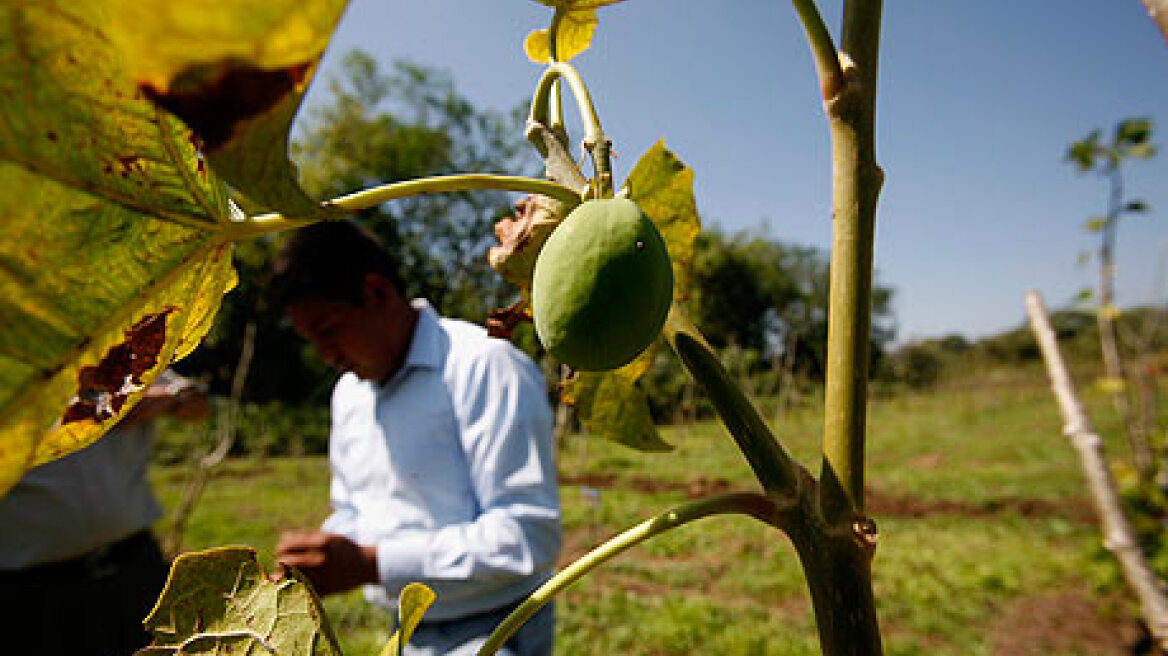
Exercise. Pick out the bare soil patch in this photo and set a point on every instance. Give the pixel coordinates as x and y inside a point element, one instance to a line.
<point>1065,621</point>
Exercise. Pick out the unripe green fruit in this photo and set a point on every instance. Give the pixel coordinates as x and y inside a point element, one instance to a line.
<point>602,285</point>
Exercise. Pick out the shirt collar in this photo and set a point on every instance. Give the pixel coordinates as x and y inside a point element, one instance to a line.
<point>425,345</point>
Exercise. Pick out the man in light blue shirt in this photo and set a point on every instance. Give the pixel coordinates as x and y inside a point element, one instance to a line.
<point>440,450</point>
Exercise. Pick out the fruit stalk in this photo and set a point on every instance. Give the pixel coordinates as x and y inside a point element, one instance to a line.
<point>265,223</point>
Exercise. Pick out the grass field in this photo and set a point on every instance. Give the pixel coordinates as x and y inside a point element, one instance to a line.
<point>987,540</point>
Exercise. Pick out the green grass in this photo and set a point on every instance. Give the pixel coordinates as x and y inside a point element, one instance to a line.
<point>978,497</point>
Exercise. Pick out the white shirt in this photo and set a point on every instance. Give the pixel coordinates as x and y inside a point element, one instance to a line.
<point>82,501</point>
<point>448,469</point>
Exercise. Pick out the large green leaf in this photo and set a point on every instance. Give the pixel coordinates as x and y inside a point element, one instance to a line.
<point>236,73</point>
<point>609,403</point>
<point>222,602</point>
<point>109,264</point>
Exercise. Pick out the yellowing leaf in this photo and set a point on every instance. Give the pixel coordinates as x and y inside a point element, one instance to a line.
<point>610,405</point>
<point>573,36</point>
<point>577,5</point>
<point>662,186</point>
<point>1111,385</point>
<point>111,266</point>
<point>412,603</point>
<point>236,73</point>
<point>222,601</point>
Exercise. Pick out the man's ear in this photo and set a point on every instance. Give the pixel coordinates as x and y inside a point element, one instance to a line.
<point>377,290</point>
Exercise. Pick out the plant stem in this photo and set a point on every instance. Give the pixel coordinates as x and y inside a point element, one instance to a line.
<point>595,142</point>
<point>266,223</point>
<point>775,470</point>
<point>823,52</point>
<point>745,503</point>
<point>856,181</point>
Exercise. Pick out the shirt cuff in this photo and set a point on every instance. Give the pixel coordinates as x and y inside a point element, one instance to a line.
<point>402,560</point>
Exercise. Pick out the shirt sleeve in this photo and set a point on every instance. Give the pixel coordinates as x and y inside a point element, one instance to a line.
<point>343,519</point>
<point>513,543</point>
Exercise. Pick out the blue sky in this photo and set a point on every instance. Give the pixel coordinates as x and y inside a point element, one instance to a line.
<point>977,104</point>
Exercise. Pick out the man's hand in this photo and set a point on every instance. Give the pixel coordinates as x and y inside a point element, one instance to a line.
<point>333,563</point>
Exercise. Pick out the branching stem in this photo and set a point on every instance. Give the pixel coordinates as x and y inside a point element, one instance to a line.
<point>823,51</point>
<point>595,142</point>
<point>745,503</point>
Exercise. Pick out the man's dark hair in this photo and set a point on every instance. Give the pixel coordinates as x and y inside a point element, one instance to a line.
<point>329,261</point>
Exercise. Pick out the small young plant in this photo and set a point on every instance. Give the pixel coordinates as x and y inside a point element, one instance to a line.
<point>1131,140</point>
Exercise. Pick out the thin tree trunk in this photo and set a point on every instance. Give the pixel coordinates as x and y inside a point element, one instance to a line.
<point>1113,366</point>
<point>1118,535</point>
<point>226,425</point>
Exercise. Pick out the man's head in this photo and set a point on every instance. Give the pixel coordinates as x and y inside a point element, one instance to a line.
<point>342,292</point>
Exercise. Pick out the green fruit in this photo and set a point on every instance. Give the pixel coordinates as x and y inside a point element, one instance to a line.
<point>602,285</point>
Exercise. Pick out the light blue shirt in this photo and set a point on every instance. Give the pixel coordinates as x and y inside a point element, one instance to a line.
<point>80,502</point>
<point>448,470</point>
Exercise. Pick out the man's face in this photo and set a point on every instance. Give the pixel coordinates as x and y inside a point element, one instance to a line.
<point>347,336</point>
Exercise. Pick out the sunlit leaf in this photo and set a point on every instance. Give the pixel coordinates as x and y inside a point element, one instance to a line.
<point>109,266</point>
<point>610,405</point>
<point>1082,153</point>
<point>577,5</point>
<point>1133,132</point>
<point>1110,385</point>
<point>236,73</point>
<point>662,186</point>
<point>412,603</point>
<point>1095,224</point>
<point>221,601</point>
<point>573,36</point>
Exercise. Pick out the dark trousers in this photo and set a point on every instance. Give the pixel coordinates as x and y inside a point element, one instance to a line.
<point>90,605</point>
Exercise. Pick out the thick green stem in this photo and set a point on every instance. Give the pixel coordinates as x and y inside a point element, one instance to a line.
<point>266,223</point>
<point>776,471</point>
<point>745,503</point>
<point>856,181</point>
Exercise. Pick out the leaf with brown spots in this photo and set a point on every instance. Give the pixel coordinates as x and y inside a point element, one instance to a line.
<point>236,73</point>
<point>110,265</point>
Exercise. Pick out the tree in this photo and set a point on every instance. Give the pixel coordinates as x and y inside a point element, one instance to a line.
<point>1131,140</point>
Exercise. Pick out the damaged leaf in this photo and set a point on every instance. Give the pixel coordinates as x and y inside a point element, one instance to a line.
<point>236,73</point>
<point>521,237</point>
<point>222,601</point>
<point>102,389</point>
<point>110,220</point>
